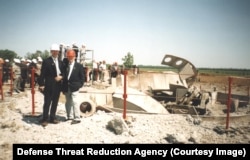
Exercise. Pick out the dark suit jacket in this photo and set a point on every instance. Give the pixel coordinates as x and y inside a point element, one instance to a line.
<point>48,73</point>
<point>76,79</point>
<point>24,71</point>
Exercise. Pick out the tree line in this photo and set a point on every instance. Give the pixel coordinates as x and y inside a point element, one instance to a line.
<point>10,55</point>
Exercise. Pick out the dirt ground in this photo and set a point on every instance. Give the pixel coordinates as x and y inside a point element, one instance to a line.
<point>19,125</point>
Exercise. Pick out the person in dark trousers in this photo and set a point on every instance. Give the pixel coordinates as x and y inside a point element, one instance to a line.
<point>24,74</point>
<point>114,70</point>
<point>72,82</point>
<point>50,84</point>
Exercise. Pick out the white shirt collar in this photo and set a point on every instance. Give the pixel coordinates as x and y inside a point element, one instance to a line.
<point>72,63</point>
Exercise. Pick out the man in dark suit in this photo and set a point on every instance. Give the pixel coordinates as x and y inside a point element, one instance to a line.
<point>24,74</point>
<point>72,82</point>
<point>50,83</point>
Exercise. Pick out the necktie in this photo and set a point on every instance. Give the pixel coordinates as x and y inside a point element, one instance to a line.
<point>68,70</point>
<point>57,67</point>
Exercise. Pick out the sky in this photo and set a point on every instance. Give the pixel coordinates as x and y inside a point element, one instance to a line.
<point>208,33</point>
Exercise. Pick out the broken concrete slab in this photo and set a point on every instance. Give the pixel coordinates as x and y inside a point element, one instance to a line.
<point>118,125</point>
<point>137,101</point>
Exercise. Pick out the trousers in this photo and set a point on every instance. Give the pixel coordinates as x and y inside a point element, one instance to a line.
<point>71,105</point>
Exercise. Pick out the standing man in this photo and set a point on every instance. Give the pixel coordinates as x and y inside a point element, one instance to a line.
<point>24,74</point>
<point>50,82</point>
<point>72,82</point>
<point>104,68</point>
<point>95,71</point>
<point>16,70</point>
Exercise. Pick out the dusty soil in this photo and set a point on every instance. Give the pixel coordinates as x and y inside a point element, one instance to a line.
<point>19,125</point>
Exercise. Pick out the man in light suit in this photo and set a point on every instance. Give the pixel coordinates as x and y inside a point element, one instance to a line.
<point>50,84</point>
<point>72,82</point>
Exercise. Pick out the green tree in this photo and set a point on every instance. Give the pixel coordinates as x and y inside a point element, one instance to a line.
<point>38,53</point>
<point>128,60</point>
<point>8,54</point>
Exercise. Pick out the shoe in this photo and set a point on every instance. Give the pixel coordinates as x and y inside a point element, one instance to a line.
<point>22,90</point>
<point>54,121</point>
<point>67,119</point>
<point>44,123</point>
<point>75,121</point>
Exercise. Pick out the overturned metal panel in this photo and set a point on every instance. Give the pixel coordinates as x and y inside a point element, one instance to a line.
<point>152,79</point>
<point>187,70</point>
<point>137,101</point>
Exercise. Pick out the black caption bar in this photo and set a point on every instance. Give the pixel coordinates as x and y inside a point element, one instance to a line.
<point>178,151</point>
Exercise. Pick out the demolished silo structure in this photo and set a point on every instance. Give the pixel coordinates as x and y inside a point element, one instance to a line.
<point>137,101</point>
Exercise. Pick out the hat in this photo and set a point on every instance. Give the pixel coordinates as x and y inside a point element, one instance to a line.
<point>54,47</point>
<point>22,59</point>
<point>6,60</point>
<point>39,59</point>
<point>34,60</point>
<point>17,60</point>
<point>28,60</point>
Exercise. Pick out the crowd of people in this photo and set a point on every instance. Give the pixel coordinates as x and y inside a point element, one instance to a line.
<point>101,70</point>
<point>19,71</point>
<point>60,73</point>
